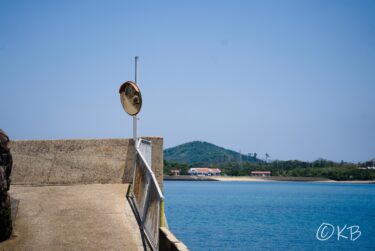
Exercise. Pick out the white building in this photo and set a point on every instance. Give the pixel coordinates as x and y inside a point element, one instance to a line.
<point>204,171</point>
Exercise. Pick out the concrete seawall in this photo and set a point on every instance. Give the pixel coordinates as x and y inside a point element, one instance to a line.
<point>79,161</point>
<point>83,212</point>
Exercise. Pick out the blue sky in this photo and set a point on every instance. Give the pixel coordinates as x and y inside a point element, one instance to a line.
<point>295,79</point>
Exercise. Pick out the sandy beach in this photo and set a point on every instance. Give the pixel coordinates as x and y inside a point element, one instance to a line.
<point>297,179</point>
<point>262,179</point>
<point>240,178</point>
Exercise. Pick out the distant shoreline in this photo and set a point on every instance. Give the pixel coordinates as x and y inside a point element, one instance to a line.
<point>261,179</point>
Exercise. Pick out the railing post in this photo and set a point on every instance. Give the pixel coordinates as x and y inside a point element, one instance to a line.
<point>162,215</point>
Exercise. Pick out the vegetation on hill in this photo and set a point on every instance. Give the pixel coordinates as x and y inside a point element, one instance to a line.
<point>198,153</point>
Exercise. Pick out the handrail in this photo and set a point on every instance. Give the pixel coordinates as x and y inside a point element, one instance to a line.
<point>146,196</point>
<point>148,166</point>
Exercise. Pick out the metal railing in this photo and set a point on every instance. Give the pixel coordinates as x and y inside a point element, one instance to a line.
<point>146,196</point>
<point>145,149</point>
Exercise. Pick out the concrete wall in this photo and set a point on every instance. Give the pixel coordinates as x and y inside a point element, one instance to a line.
<point>39,162</point>
<point>168,242</point>
<point>48,162</point>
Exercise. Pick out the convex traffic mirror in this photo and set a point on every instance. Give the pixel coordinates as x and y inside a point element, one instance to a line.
<point>131,98</point>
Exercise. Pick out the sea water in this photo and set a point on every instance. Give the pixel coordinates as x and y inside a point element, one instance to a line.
<point>209,215</point>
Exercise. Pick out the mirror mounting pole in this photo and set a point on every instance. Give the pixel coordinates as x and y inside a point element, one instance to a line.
<point>135,136</point>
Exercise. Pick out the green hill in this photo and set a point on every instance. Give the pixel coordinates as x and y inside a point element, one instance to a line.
<point>200,153</point>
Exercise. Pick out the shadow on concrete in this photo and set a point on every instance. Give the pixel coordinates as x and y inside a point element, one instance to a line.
<point>127,176</point>
<point>145,243</point>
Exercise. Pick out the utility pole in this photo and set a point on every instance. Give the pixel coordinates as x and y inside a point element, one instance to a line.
<point>240,160</point>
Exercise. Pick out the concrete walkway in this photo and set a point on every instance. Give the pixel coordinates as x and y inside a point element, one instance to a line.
<point>77,217</point>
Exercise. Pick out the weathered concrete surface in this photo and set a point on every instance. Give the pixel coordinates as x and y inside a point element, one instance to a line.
<point>40,162</point>
<point>71,215</point>
<point>79,217</point>
<point>169,242</point>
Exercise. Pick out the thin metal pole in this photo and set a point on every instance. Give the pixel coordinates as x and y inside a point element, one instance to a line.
<point>130,192</point>
<point>136,69</point>
<point>135,129</point>
<point>135,136</point>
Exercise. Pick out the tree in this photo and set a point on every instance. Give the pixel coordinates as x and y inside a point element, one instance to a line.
<point>267,156</point>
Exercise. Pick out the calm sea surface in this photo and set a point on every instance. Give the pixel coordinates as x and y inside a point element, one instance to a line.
<point>271,215</point>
